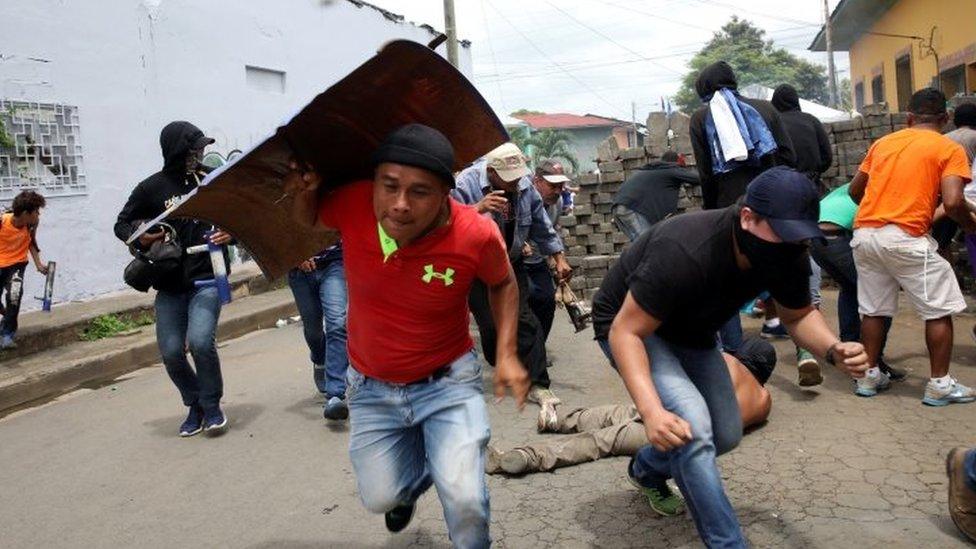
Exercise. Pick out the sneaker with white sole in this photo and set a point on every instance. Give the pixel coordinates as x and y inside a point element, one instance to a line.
<point>808,369</point>
<point>548,419</point>
<point>954,393</point>
<point>659,496</point>
<point>193,423</point>
<point>214,421</point>
<point>539,394</point>
<point>872,383</point>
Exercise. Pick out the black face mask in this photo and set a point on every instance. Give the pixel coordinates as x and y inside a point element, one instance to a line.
<point>767,257</point>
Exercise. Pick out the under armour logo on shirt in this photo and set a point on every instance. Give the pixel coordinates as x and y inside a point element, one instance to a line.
<point>429,274</point>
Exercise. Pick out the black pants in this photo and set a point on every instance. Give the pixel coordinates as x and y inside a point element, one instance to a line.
<point>542,295</point>
<point>530,341</point>
<point>12,285</point>
<point>834,255</point>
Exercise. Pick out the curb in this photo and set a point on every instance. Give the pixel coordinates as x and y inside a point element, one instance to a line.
<point>35,385</point>
<point>36,339</point>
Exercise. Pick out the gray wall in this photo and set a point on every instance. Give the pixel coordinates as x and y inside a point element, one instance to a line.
<point>132,66</point>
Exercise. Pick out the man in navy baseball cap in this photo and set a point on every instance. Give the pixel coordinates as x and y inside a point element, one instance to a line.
<point>788,201</point>
<point>658,311</point>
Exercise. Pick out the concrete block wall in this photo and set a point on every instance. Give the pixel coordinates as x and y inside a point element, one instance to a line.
<point>592,240</point>
<point>850,140</point>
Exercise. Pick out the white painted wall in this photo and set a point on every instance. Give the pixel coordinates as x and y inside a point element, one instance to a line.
<point>133,66</point>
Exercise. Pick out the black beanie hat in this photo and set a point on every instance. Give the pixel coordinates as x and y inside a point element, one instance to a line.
<point>418,146</point>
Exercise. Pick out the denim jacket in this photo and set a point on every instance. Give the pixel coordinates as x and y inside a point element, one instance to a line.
<point>532,222</point>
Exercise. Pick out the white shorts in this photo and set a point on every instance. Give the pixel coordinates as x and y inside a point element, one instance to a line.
<point>888,258</point>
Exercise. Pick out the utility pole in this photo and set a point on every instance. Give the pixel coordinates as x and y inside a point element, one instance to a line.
<point>450,28</point>
<point>633,120</point>
<point>831,74</point>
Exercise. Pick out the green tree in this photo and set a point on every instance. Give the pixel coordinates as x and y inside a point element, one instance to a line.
<point>520,136</point>
<point>845,103</point>
<point>755,61</point>
<point>551,144</point>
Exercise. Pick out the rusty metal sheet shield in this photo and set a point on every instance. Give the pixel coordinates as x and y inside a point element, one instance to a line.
<point>336,133</point>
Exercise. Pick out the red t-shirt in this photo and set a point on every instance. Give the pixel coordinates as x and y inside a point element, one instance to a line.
<point>408,314</point>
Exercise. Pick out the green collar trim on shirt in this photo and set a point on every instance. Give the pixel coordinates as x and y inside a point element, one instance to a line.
<point>387,244</point>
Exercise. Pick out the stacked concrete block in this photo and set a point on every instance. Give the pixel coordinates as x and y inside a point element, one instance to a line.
<point>592,240</point>
<point>658,139</point>
<point>851,139</point>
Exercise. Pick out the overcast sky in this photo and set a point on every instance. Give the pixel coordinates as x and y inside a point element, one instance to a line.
<point>598,56</point>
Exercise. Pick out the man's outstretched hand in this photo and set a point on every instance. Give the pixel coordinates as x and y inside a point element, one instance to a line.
<point>850,357</point>
<point>510,375</point>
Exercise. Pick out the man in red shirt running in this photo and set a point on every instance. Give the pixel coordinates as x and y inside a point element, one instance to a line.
<point>417,413</point>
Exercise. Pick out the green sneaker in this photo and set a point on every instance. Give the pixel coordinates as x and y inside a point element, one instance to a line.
<point>808,369</point>
<point>661,499</point>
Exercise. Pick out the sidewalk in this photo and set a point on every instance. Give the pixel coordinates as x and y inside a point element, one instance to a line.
<point>52,360</point>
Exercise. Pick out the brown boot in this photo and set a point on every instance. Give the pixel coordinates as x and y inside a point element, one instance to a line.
<point>962,498</point>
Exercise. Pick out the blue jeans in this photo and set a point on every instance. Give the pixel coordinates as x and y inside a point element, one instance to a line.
<point>730,334</point>
<point>630,222</point>
<point>406,437</point>
<point>695,385</point>
<point>542,295</point>
<point>321,299</point>
<point>189,320</point>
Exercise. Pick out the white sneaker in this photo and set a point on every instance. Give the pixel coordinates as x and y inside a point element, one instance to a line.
<point>548,420</point>
<point>872,383</point>
<point>539,395</point>
<point>954,393</point>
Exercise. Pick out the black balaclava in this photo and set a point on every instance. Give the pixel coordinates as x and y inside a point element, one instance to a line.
<point>785,98</point>
<point>769,258</point>
<point>176,140</point>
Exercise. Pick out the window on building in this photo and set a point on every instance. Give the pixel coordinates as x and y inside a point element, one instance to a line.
<point>954,80</point>
<point>40,149</point>
<point>877,89</point>
<point>266,80</point>
<point>903,81</point>
<point>859,96</point>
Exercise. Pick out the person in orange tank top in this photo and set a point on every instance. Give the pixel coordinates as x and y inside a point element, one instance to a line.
<point>17,239</point>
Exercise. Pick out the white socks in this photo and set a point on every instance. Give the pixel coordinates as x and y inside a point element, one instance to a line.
<point>771,323</point>
<point>941,382</point>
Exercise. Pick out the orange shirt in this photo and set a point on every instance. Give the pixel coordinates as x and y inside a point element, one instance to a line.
<point>14,242</point>
<point>905,171</point>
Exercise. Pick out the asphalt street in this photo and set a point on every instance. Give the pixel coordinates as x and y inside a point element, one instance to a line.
<point>103,467</point>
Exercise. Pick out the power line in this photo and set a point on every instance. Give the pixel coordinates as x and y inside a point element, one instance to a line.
<point>491,49</point>
<point>736,9</point>
<point>551,60</point>
<point>608,38</point>
<point>579,66</point>
<point>657,16</point>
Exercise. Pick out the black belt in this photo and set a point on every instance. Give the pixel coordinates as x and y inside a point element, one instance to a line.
<point>835,232</point>
<point>437,374</point>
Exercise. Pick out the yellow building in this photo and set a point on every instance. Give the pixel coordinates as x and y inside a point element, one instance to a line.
<point>897,47</point>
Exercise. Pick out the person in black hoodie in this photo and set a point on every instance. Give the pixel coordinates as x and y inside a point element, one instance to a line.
<point>650,194</point>
<point>186,316</point>
<point>724,189</point>
<point>810,142</point>
<point>720,190</point>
